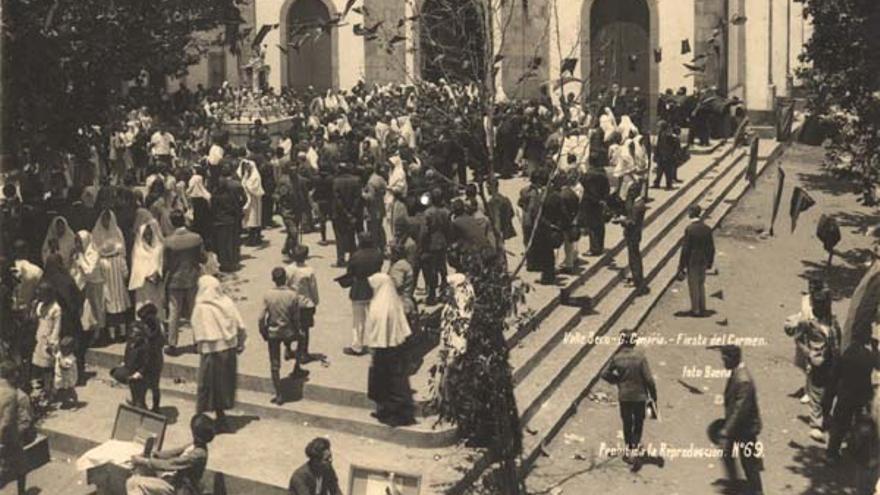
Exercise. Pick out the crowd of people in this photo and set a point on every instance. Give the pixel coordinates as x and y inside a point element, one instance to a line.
<point>131,244</point>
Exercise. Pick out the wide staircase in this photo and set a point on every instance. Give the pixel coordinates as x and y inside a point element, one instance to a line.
<point>555,358</point>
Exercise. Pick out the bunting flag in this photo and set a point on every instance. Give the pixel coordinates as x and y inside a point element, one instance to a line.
<point>862,308</point>
<point>785,122</point>
<point>658,55</point>
<point>752,168</point>
<point>777,196</point>
<point>568,65</point>
<point>261,34</point>
<point>800,202</point>
<point>685,46</point>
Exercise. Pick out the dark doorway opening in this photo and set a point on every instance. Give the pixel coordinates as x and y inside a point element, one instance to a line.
<point>309,52</point>
<point>620,45</point>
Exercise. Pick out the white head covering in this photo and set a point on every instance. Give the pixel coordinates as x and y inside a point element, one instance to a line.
<point>386,319</point>
<point>146,259</point>
<point>196,188</point>
<point>87,268</point>
<point>626,127</point>
<point>65,241</point>
<point>253,183</point>
<point>215,317</point>
<point>109,240</point>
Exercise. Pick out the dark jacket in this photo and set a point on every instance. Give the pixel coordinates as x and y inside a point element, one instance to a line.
<point>597,188</point>
<point>363,263</point>
<point>629,370</point>
<point>348,204</point>
<point>438,228</point>
<point>184,252</point>
<point>853,376</point>
<point>697,248</point>
<point>635,219</point>
<point>305,482</point>
<point>470,234</point>
<point>742,419</point>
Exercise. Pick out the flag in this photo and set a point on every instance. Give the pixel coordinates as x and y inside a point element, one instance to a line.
<point>752,168</point>
<point>658,55</point>
<point>348,5</point>
<point>261,34</point>
<point>685,46</point>
<point>784,122</point>
<point>800,202</point>
<point>862,308</point>
<point>568,65</point>
<point>777,196</point>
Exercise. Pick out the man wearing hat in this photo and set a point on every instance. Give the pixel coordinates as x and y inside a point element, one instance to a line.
<point>742,423</point>
<point>629,370</point>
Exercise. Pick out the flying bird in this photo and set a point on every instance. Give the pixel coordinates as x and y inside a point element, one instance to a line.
<point>348,5</point>
<point>396,39</point>
<point>694,68</point>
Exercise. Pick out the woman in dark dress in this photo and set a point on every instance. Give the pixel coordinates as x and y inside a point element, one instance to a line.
<point>70,298</point>
<point>225,212</point>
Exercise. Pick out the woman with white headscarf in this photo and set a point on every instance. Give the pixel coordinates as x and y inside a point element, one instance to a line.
<point>110,244</point>
<point>146,268</point>
<point>253,208</point>
<point>60,239</point>
<point>219,334</point>
<point>627,128</point>
<point>386,330</point>
<point>200,200</point>
<point>86,272</point>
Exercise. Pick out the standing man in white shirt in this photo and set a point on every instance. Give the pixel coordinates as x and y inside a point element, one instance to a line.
<point>162,146</point>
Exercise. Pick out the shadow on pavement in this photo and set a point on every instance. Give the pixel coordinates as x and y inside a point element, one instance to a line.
<point>811,463</point>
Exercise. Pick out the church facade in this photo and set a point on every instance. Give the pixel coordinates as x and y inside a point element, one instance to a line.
<point>747,48</point>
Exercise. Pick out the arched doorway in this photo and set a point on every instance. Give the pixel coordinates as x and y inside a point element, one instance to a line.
<point>620,45</point>
<point>310,50</point>
<point>452,41</point>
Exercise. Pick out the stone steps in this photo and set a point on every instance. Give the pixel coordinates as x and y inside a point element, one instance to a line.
<point>546,415</point>
<point>107,358</point>
<point>548,370</point>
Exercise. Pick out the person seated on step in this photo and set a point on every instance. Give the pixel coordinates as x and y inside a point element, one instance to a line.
<point>175,471</point>
<point>316,476</point>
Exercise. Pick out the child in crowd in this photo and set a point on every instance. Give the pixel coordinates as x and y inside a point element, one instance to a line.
<point>301,278</point>
<point>66,374</point>
<point>47,312</point>
<point>155,342</point>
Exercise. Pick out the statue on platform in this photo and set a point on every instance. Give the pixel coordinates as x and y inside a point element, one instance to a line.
<point>258,69</point>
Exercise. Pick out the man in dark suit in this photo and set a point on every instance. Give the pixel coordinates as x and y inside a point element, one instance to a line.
<point>852,388</point>
<point>468,234</point>
<point>366,261</point>
<point>633,222</point>
<point>629,370</point>
<point>184,252</point>
<point>697,256</point>
<point>742,423</point>
<point>317,476</point>
<point>347,212</point>
<point>593,204</point>
<point>435,241</point>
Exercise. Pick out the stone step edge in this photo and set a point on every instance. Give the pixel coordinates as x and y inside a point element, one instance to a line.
<point>350,420</point>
